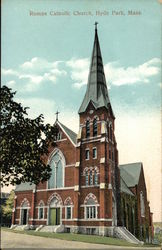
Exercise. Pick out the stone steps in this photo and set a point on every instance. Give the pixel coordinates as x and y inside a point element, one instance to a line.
<point>51,229</point>
<point>123,233</point>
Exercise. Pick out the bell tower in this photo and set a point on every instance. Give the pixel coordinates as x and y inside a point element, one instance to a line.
<point>96,145</point>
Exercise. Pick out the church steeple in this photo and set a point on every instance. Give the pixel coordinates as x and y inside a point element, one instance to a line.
<point>96,92</point>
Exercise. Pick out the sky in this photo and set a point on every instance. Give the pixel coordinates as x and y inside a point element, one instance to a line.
<point>46,59</point>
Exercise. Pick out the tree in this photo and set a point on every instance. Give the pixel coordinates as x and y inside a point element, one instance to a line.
<point>8,206</point>
<point>22,147</point>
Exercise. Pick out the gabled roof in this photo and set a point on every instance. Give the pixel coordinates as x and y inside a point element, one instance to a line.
<point>124,188</point>
<point>96,91</point>
<point>70,134</point>
<point>130,173</point>
<point>26,186</point>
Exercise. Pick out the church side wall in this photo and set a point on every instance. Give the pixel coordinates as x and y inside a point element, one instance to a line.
<point>143,221</point>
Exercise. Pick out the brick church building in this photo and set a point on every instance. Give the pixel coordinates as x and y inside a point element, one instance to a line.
<point>88,192</point>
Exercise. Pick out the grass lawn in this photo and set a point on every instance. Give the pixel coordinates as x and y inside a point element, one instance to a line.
<point>77,237</point>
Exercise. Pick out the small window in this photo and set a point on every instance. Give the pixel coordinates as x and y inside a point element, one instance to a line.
<point>108,131</point>
<point>87,154</point>
<point>95,178</point>
<point>41,213</point>
<point>95,127</point>
<point>112,155</point>
<point>111,133</point>
<point>68,212</point>
<point>87,129</point>
<point>94,153</point>
<point>91,178</point>
<point>86,178</point>
<point>109,154</point>
<point>68,230</point>
<point>59,136</point>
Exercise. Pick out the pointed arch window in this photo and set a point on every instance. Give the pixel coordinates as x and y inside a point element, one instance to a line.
<point>142,204</point>
<point>95,127</point>
<point>57,164</point>
<point>91,178</point>
<point>41,210</point>
<point>86,177</point>
<point>95,177</point>
<point>87,129</point>
<point>90,204</point>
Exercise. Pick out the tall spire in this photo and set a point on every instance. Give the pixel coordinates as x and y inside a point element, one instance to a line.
<point>96,89</point>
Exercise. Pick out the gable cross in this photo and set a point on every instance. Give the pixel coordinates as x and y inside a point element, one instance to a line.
<point>57,115</point>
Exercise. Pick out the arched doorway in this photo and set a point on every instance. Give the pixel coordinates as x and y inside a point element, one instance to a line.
<point>55,210</point>
<point>24,212</point>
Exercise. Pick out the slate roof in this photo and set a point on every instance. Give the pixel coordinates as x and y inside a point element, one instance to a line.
<point>96,92</point>
<point>130,173</point>
<point>72,135</point>
<point>124,188</point>
<point>25,187</point>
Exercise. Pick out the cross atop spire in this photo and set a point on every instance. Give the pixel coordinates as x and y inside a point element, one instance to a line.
<point>57,115</point>
<point>95,25</point>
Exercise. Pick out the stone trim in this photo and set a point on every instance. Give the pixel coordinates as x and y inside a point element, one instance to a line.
<point>54,189</point>
<point>52,196</point>
<point>103,139</point>
<point>96,205</point>
<point>103,127</point>
<point>76,188</point>
<point>23,207</point>
<point>70,165</point>
<point>102,185</point>
<point>77,164</point>
<point>90,196</point>
<point>94,219</point>
<point>90,186</point>
<point>102,160</point>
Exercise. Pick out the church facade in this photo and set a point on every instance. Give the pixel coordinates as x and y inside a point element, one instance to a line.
<point>88,192</point>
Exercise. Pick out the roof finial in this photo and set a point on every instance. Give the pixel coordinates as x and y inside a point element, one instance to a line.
<point>95,25</point>
<point>57,115</point>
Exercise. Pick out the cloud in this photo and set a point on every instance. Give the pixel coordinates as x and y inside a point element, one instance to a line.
<point>11,83</point>
<point>38,71</point>
<point>79,71</point>
<point>38,64</point>
<point>7,72</point>
<point>39,106</point>
<point>35,72</point>
<point>117,75</point>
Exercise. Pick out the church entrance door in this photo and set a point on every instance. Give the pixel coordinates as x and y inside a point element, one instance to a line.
<point>24,216</point>
<point>54,216</point>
